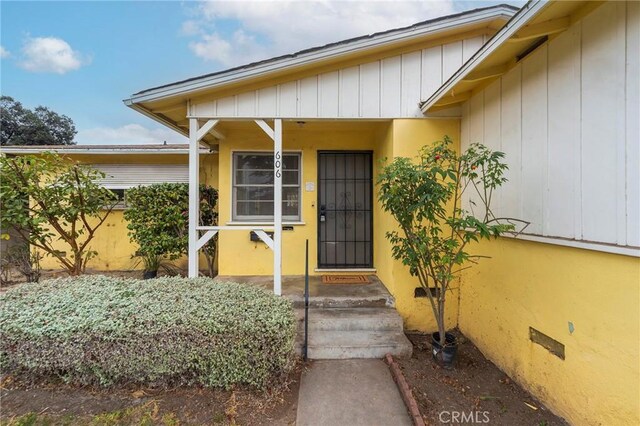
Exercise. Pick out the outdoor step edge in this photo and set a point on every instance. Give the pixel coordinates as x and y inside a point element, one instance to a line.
<point>356,338</point>
<point>338,302</point>
<point>362,325</point>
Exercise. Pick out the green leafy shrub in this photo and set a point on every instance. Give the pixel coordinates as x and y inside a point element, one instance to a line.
<point>169,331</point>
<point>55,205</point>
<point>158,217</point>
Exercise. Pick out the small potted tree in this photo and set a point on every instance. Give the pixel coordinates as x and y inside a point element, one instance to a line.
<point>426,198</point>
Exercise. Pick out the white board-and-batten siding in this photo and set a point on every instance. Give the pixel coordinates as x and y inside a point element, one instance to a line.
<point>568,120</point>
<point>387,88</point>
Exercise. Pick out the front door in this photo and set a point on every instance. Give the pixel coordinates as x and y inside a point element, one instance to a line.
<point>345,225</point>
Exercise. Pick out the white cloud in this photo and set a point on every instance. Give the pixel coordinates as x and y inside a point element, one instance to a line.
<point>50,54</point>
<point>4,53</point>
<point>129,134</point>
<point>239,47</point>
<point>268,28</point>
<point>190,28</point>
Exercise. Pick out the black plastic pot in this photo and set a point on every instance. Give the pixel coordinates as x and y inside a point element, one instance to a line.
<point>444,356</point>
<point>147,275</point>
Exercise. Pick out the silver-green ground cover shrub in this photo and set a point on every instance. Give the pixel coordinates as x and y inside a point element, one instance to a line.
<point>168,331</point>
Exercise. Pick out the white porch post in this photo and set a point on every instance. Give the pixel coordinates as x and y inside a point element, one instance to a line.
<point>194,205</point>
<point>277,207</point>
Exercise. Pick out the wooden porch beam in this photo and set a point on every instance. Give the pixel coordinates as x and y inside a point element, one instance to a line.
<point>490,72</point>
<point>209,128</point>
<point>542,29</point>
<point>265,127</point>
<point>456,99</point>
<point>205,238</point>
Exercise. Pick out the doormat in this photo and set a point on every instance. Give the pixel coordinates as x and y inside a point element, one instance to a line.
<point>345,279</point>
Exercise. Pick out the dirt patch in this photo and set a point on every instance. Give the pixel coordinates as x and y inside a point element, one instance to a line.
<point>475,389</point>
<point>65,405</point>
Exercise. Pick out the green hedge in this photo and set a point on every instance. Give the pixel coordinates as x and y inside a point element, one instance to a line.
<point>169,331</point>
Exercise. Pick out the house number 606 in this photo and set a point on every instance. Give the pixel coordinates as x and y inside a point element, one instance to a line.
<point>278,164</point>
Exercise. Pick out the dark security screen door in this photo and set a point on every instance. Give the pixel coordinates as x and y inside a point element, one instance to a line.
<point>344,210</point>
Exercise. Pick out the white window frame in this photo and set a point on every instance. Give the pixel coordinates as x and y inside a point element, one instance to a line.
<point>121,205</point>
<point>264,219</point>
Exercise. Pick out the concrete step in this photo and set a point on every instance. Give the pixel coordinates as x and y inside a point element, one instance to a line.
<point>348,319</point>
<point>343,302</point>
<point>334,344</point>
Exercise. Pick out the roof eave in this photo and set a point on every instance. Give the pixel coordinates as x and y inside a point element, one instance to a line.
<point>24,150</point>
<point>105,152</point>
<point>160,119</point>
<point>238,75</point>
<point>520,19</point>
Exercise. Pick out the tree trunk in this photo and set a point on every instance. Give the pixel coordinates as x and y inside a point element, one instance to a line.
<point>441,325</point>
<point>77,267</point>
<point>209,264</point>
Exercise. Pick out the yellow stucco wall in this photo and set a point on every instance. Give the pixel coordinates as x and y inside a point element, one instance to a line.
<point>409,136</point>
<point>111,241</point>
<point>240,256</point>
<point>527,284</point>
<point>384,221</point>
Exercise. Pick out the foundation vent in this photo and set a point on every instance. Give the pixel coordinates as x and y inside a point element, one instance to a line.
<point>547,342</point>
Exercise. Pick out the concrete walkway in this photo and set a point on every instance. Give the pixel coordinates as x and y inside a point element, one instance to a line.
<point>350,392</point>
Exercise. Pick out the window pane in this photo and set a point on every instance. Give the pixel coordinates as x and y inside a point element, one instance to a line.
<point>255,201</point>
<point>291,161</point>
<point>254,161</point>
<point>290,177</point>
<point>264,209</point>
<point>121,197</point>
<point>253,193</point>
<point>265,161</point>
<point>255,208</point>
<point>290,195</point>
<point>290,208</point>
<point>119,193</point>
<point>259,177</point>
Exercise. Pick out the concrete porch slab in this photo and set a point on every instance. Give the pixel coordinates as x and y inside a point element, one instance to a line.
<point>322,295</point>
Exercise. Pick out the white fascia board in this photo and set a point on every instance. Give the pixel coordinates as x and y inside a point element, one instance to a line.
<point>529,11</point>
<point>303,59</point>
<point>155,117</point>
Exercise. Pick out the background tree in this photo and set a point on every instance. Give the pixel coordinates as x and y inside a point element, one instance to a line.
<point>47,199</point>
<point>22,126</point>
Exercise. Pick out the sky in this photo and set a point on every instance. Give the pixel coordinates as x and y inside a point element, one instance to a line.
<point>82,58</point>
